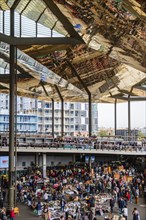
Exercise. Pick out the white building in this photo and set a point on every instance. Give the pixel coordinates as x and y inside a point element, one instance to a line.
<point>34,116</point>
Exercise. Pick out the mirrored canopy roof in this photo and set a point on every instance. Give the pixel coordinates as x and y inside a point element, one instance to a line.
<point>110,61</point>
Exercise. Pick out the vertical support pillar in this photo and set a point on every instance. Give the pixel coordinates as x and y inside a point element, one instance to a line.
<point>62,117</point>
<point>15,132</point>
<point>62,110</point>
<point>129,120</point>
<point>90,114</point>
<point>90,162</point>
<point>73,158</point>
<point>11,116</point>
<point>129,115</point>
<point>89,96</point>
<point>36,159</point>
<point>20,25</point>
<point>3,22</point>
<point>53,118</point>
<point>44,165</point>
<point>115,117</point>
<point>36,28</point>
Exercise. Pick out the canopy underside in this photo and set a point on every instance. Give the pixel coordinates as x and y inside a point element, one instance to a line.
<point>106,55</point>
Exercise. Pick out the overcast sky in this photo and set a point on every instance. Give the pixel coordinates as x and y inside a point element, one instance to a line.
<point>138,115</point>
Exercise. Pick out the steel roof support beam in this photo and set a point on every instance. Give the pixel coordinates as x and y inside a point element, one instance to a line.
<point>4,78</point>
<point>62,18</point>
<point>89,96</point>
<point>134,99</point>
<point>11,115</point>
<point>42,84</point>
<point>19,68</point>
<point>140,88</point>
<point>129,115</point>
<point>36,22</point>
<point>53,118</point>
<point>18,41</point>
<point>15,4</point>
<point>115,116</point>
<point>12,112</point>
<point>3,22</point>
<point>20,21</point>
<point>62,110</point>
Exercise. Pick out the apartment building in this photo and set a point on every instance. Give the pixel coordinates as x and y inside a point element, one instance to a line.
<point>34,116</point>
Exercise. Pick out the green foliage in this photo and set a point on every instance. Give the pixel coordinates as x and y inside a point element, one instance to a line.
<point>103,133</point>
<point>140,135</point>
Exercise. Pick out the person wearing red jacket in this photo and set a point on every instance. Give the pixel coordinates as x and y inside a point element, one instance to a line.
<point>12,215</point>
<point>127,196</point>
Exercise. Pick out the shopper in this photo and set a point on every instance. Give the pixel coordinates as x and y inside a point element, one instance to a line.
<point>125,212</point>
<point>136,215</point>
<point>12,215</point>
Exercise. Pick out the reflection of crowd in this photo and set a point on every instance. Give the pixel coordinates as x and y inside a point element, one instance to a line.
<point>75,192</point>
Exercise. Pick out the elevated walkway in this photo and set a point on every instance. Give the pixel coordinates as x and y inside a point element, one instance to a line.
<point>75,151</point>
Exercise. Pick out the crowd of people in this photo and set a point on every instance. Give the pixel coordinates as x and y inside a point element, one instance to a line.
<point>79,192</point>
<point>89,143</point>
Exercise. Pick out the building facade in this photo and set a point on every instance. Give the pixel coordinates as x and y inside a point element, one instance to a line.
<point>34,116</point>
<point>134,134</point>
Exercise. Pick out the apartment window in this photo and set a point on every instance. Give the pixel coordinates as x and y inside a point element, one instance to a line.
<point>76,113</point>
<point>83,128</point>
<point>31,163</point>
<point>71,106</point>
<point>86,120</point>
<point>83,113</point>
<point>76,128</point>
<point>48,105</point>
<point>86,106</point>
<point>78,106</point>
<point>23,164</point>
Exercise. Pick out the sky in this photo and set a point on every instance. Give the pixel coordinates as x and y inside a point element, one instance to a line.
<point>138,115</point>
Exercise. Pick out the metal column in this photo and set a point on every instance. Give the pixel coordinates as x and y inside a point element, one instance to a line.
<point>42,84</point>
<point>62,110</point>
<point>115,114</point>
<point>15,131</point>
<point>11,116</point>
<point>89,96</point>
<point>129,115</point>
<point>129,119</point>
<point>3,22</point>
<point>44,162</point>
<point>36,160</point>
<point>62,117</point>
<point>53,118</point>
<point>90,114</point>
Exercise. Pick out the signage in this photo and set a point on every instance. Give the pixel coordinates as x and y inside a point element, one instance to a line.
<point>92,158</point>
<point>4,162</point>
<point>86,159</point>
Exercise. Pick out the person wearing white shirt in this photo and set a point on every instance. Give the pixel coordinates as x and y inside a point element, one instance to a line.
<point>46,197</point>
<point>125,212</point>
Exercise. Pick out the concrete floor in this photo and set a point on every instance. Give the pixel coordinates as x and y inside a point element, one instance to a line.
<point>26,213</point>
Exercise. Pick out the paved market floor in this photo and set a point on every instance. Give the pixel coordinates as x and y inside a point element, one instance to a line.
<point>26,213</point>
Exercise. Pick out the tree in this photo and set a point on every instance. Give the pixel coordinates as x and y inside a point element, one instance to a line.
<point>140,135</point>
<point>103,133</point>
